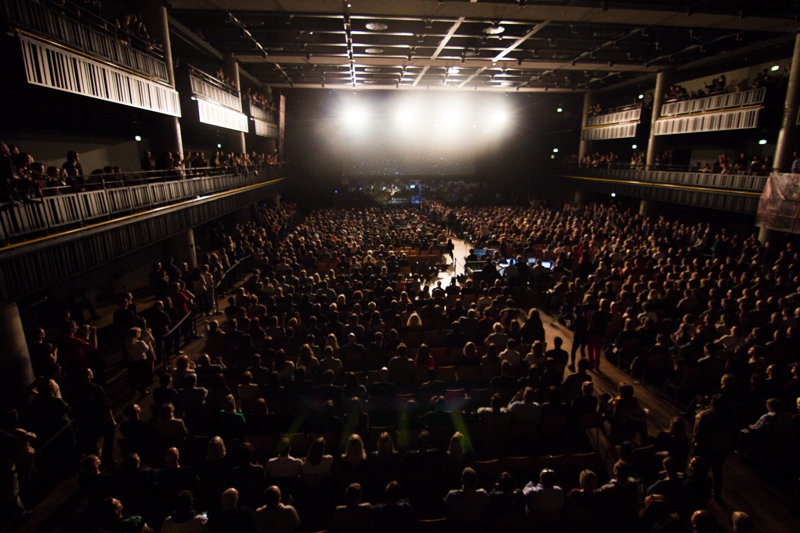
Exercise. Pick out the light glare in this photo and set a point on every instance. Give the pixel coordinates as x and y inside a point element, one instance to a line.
<point>775,68</point>
<point>762,141</point>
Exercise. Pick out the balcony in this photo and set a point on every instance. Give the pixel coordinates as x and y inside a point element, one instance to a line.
<point>721,112</point>
<point>218,104</point>
<point>78,30</point>
<point>714,102</point>
<point>723,182</point>
<point>618,125</point>
<point>65,207</point>
<point>264,115</point>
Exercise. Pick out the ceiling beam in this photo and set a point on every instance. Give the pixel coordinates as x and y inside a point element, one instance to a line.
<point>441,46</point>
<point>472,77</point>
<point>659,16</point>
<point>377,61</point>
<point>536,29</point>
<point>347,86</point>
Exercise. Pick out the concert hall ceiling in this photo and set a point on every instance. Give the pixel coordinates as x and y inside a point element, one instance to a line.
<point>502,45</point>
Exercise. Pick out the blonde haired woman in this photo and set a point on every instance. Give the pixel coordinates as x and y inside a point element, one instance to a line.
<point>354,458</point>
<point>139,355</point>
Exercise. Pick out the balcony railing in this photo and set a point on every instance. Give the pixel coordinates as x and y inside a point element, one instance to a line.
<point>261,113</point>
<point>109,198</point>
<point>265,129</point>
<point>614,131</point>
<point>715,102</point>
<point>730,182</point>
<point>209,88</point>
<point>83,36</point>
<point>629,115</point>
<point>737,119</point>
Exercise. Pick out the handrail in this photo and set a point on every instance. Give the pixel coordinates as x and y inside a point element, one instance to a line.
<point>735,182</point>
<point>79,31</point>
<point>61,211</point>
<point>212,80</point>
<point>176,326</point>
<point>714,102</point>
<point>225,274</point>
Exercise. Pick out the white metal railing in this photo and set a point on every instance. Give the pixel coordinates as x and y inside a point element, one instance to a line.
<point>50,66</point>
<point>261,114</point>
<point>617,131</point>
<point>49,23</point>
<point>739,182</point>
<point>217,95</point>
<point>714,102</point>
<point>217,115</point>
<point>265,129</point>
<point>72,208</point>
<point>629,115</point>
<point>738,119</point>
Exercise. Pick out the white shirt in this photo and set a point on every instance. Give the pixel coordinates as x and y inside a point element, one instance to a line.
<point>193,525</point>
<point>543,499</point>
<point>284,466</point>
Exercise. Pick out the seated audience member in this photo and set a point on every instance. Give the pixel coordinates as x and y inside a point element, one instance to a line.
<point>525,413</point>
<point>184,519</point>
<point>620,496</point>
<point>354,458</point>
<point>466,507</point>
<point>174,475</point>
<point>317,465</point>
<point>274,516</point>
<point>505,501</point>
<point>586,497</point>
<point>544,497</point>
<point>229,516</point>
<point>284,466</point>
<point>395,515</point>
<point>112,519</point>
<point>354,516</point>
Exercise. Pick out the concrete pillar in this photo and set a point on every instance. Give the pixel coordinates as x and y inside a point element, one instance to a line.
<point>579,197</point>
<point>275,200</point>
<point>654,145</point>
<point>647,208</point>
<point>182,248</point>
<point>589,98</point>
<point>17,372</point>
<point>154,14</point>
<point>768,235</point>
<point>787,138</point>
<point>232,71</point>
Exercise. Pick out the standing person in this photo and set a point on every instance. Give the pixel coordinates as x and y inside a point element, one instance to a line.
<point>580,335</point>
<point>161,323</point>
<point>598,327</point>
<point>93,418</point>
<point>140,358</point>
<point>713,441</point>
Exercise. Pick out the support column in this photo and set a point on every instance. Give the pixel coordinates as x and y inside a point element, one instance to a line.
<point>589,98</point>
<point>232,71</point>
<point>154,13</point>
<point>766,235</point>
<point>787,138</point>
<point>647,208</point>
<point>182,248</point>
<point>654,144</point>
<point>17,372</point>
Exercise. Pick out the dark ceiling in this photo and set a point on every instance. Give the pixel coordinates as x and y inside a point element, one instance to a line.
<point>502,45</point>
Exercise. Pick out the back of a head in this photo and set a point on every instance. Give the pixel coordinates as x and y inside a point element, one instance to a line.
<point>229,499</point>
<point>469,478</point>
<point>352,495</point>
<point>184,501</point>
<point>547,478</point>
<point>272,497</point>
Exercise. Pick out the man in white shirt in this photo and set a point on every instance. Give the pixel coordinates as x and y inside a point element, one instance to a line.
<point>510,354</point>
<point>275,517</point>
<point>545,496</point>
<point>284,466</point>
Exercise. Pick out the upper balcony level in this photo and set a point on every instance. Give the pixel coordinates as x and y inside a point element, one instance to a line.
<point>109,197</point>
<point>618,124</point>
<point>719,112</point>
<point>79,30</point>
<point>218,104</point>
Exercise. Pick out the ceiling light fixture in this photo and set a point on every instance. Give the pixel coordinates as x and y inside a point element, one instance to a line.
<point>494,29</point>
<point>374,50</point>
<point>376,26</point>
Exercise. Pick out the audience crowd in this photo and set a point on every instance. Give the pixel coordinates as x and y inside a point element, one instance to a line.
<point>23,179</point>
<point>337,378</point>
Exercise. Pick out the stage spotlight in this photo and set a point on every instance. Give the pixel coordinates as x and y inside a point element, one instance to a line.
<point>355,116</point>
<point>499,118</point>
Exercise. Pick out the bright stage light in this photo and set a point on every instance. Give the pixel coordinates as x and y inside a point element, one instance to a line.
<point>555,150</point>
<point>499,118</point>
<point>356,116</point>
